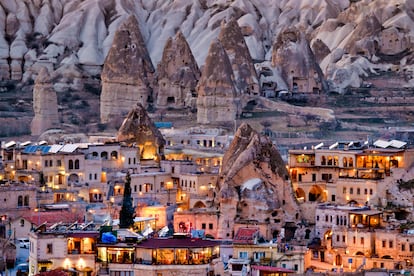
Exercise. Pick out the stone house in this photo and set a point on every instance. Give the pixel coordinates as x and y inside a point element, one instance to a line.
<point>251,253</point>
<point>343,173</point>
<point>67,246</point>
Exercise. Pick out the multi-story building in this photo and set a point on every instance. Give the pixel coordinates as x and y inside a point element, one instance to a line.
<point>251,253</point>
<point>346,172</point>
<point>71,247</point>
<point>357,238</point>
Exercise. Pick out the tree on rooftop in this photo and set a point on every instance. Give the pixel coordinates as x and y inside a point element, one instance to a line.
<point>127,213</point>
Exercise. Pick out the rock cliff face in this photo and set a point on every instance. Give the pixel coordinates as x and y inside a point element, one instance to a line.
<point>44,104</point>
<point>217,100</point>
<point>127,72</point>
<point>245,75</point>
<point>296,62</point>
<point>139,129</point>
<point>177,75</point>
<point>253,185</point>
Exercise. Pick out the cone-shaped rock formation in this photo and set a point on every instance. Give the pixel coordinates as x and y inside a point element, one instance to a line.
<point>296,61</point>
<point>253,186</point>
<point>217,99</point>
<point>244,72</point>
<point>127,72</point>
<point>177,74</point>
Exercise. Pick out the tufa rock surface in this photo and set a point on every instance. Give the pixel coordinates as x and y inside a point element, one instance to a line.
<point>139,129</point>
<point>44,104</point>
<point>294,58</point>
<point>127,72</point>
<point>177,75</point>
<point>244,72</point>
<point>253,186</point>
<point>217,99</point>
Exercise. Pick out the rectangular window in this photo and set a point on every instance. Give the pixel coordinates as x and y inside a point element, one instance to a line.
<point>337,238</point>
<point>300,177</point>
<point>391,244</point>
<point>258,256</point>
<point>333,197</point>
<point>46,163</point>
<point>351,190</point>
<point>210,226</point>
<point>343,238</point>
<point>243,255</point>
<point>203,226</point>
<point>59,163</point>
<point>314,177</point>
<point>411,247</point>
<point>49,248</point>
<point>362,240</point>
<point>384,243</point>
<point>403,247</point>
<point>354,240</point>
<point>344,190</point>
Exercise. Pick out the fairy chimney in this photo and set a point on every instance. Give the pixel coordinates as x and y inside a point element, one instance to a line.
<point>127,72</point>
<point>44,104</point>
<point>253,186</point>
<point>177,75</point>
<point>294,58</point>
<point>217,100</point>
<point>244,72</point>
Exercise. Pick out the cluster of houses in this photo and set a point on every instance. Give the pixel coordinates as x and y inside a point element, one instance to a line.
<point>66,198</point>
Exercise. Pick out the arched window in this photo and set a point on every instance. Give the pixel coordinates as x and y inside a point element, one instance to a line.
<point>351,162</point>
<point>345,162</point>
<point>20,201</point>
<point>114,155</point>
<point>104,155</point>
<point>77,164</point>
<point>330,161</point>
<point>323,160</point>
<point>26,200</point>
<point>70,164</point>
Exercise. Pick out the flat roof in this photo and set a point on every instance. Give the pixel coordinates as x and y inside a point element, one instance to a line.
<point>156,243</point>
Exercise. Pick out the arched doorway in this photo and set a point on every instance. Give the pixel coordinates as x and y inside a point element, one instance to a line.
<point>73,178</point>
<point>338,260</point>
<point>199,204</point>
<point>315,193</point>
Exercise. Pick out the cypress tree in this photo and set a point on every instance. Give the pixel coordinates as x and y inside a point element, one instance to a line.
<point>127,213</point>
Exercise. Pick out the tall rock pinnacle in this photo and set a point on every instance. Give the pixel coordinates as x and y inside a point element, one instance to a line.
<point>127,72</point>
<point>253,186</point>
<point>44,104</point>
<point>244,72</point>
<point>178,74</point>
<point>217,99</point>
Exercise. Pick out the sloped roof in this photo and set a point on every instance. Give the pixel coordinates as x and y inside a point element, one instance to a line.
<point>52,217</point>
<point>246,235</point>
